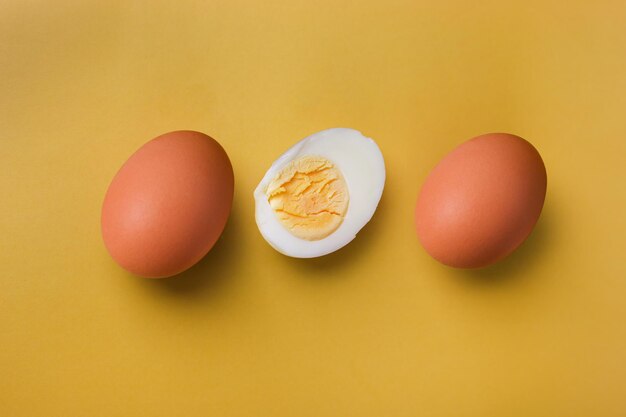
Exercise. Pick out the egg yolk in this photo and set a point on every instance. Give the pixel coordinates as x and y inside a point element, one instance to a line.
<point>309,197</point>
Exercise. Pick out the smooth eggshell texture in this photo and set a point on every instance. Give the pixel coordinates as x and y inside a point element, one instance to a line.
<point>481,201</point>
<point>168,204</point>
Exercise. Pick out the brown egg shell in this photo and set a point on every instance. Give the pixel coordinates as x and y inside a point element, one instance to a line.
<point>481,201</point>
<point>168,204</point>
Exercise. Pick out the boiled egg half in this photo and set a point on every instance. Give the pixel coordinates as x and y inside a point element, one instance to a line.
<point>319,194</point>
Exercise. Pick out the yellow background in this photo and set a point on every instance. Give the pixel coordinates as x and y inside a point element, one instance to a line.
<point>376,329</point>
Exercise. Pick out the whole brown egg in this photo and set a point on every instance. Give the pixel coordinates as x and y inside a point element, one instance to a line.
<point>481,201</point>
<point>168,204</point>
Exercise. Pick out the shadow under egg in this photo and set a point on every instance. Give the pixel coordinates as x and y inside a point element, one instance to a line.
<point>520,262</point>
<point>213,273</point>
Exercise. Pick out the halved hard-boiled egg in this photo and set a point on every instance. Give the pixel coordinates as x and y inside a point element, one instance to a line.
<point>320,193</point>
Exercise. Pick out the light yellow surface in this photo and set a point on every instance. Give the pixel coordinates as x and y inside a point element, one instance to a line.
<point>309,197</point>
<point>376,329</point>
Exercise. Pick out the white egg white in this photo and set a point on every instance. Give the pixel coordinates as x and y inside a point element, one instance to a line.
<point>360,161</point>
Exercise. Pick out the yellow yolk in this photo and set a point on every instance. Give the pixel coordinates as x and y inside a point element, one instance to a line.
<point>309,197</point>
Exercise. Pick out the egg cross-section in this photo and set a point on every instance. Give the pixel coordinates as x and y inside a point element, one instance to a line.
<point>319,194</point>
<point>310,197</point>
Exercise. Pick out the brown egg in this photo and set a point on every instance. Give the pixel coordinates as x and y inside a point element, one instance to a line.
<point>481,201</point>
<point>168,204</point>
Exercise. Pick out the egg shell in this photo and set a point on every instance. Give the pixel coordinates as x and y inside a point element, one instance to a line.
<point>481,201</point>
<point>168,204</point>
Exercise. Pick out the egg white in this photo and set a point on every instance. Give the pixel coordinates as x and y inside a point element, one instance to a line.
<point>362,165</point>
